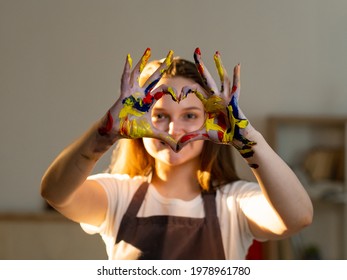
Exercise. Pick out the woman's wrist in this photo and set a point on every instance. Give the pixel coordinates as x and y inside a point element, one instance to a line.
<point>97,143</point>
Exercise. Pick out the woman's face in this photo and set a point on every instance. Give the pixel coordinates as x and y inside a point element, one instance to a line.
<point>176,119</point>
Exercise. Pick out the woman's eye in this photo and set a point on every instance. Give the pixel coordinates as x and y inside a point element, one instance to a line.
<point>159,117</point>
<point>190,116</point>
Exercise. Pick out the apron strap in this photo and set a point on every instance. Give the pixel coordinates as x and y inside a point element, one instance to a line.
<point>210,204</point>
<point>136,202</point>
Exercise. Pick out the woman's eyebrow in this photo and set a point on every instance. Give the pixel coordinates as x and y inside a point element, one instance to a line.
<point>185,108</point>
<point>193,108</point>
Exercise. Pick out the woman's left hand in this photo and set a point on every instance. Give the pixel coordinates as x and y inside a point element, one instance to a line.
<point>225,122</point>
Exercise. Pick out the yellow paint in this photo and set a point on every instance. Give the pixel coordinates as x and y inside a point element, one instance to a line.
<point>144,59</point>
<point>130,60</point>
<point>128,109</point>
<point>245,150</point>
<point>214,104</point>
<point>210,125</point>
<point>139,128</point>
<point>242,123</point>
<point>172,93</point>
<point>200,96</point>
<point>167,61</point>
<point>134,128</point>
<point>219,66</point>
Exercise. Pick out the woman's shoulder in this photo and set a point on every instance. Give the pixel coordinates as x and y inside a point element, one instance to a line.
<point>116,178</point>
<point>118,183</point>
<point>239,187</point>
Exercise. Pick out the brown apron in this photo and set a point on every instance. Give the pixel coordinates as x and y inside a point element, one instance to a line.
<point>173,237</point>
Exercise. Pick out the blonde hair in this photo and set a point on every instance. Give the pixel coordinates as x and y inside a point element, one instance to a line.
<point>216,160</point>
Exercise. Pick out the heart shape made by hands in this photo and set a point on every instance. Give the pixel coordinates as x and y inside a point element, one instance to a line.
<point>136,121</point>
<point>223,118</point>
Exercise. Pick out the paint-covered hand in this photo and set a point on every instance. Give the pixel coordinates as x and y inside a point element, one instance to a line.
<point>130,116</point>
<point>225,122</point>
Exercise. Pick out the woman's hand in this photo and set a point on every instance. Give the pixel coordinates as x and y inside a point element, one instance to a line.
<point>225,123</point>
<point>130,116</point>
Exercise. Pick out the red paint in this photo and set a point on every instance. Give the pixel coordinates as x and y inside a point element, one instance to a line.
<point>200,69</point>
<point>221,121</point>
<point>108,126</point>
<point>148,99</point>
<point>185,138</point>
<point>123,129</point>
<point>234,88</point>
<point>158,95</point>
<point>147,50</point>
<point>220,135</point>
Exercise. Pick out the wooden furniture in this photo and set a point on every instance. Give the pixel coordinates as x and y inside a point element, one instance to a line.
<point>44,236</point>
<point>314,146</point>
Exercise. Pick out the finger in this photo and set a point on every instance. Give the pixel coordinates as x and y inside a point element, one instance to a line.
<point>150,98</point>
<point>205,74</point>
<point>135,74</point>
<point>200,134</point>
<point>159,92</point>
<point>236,81</point>
<point>235,92</point>
<point>195,89</point>
<point>126,76</point>
<point>156,76</point>
<point>166,138</point>
<point>223,76</point>
<point>150,131</point>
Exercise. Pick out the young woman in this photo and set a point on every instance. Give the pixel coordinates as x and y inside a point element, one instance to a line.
<point>172,191</point>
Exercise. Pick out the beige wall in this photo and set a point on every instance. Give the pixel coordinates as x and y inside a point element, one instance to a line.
<point>61,61</point>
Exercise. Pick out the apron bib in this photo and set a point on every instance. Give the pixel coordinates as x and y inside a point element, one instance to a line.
<point>172,237</point>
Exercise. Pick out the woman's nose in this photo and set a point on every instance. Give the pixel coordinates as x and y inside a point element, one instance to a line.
<point>175,128</point>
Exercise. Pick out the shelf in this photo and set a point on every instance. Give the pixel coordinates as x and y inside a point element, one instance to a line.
<point>47,216</point>
<point>315,148</point>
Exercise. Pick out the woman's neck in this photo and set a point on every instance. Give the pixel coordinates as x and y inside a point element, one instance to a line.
<point>176,181</point>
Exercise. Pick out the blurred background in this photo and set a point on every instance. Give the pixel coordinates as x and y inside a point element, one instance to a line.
<point>60,68</point>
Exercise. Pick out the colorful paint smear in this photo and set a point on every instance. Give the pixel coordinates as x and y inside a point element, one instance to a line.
<point>134,107</point>
<point>144,59</point>
<point>223,122</point>
<point>107,125</point>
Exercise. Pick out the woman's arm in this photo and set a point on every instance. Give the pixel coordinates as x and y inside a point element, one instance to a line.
<point>284,207</point>
<point>64,184</point>
<point>283,191</point>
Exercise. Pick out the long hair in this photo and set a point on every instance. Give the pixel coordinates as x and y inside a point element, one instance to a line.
<point>216,160</point>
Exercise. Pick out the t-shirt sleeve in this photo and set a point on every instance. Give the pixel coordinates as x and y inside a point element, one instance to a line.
<point>119,190</point>
<point>236,234</point>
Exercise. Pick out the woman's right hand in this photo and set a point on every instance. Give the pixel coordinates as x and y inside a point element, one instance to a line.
<point>130,116</point>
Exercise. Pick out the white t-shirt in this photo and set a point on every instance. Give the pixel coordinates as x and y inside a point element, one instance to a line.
<point>230,201</point>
